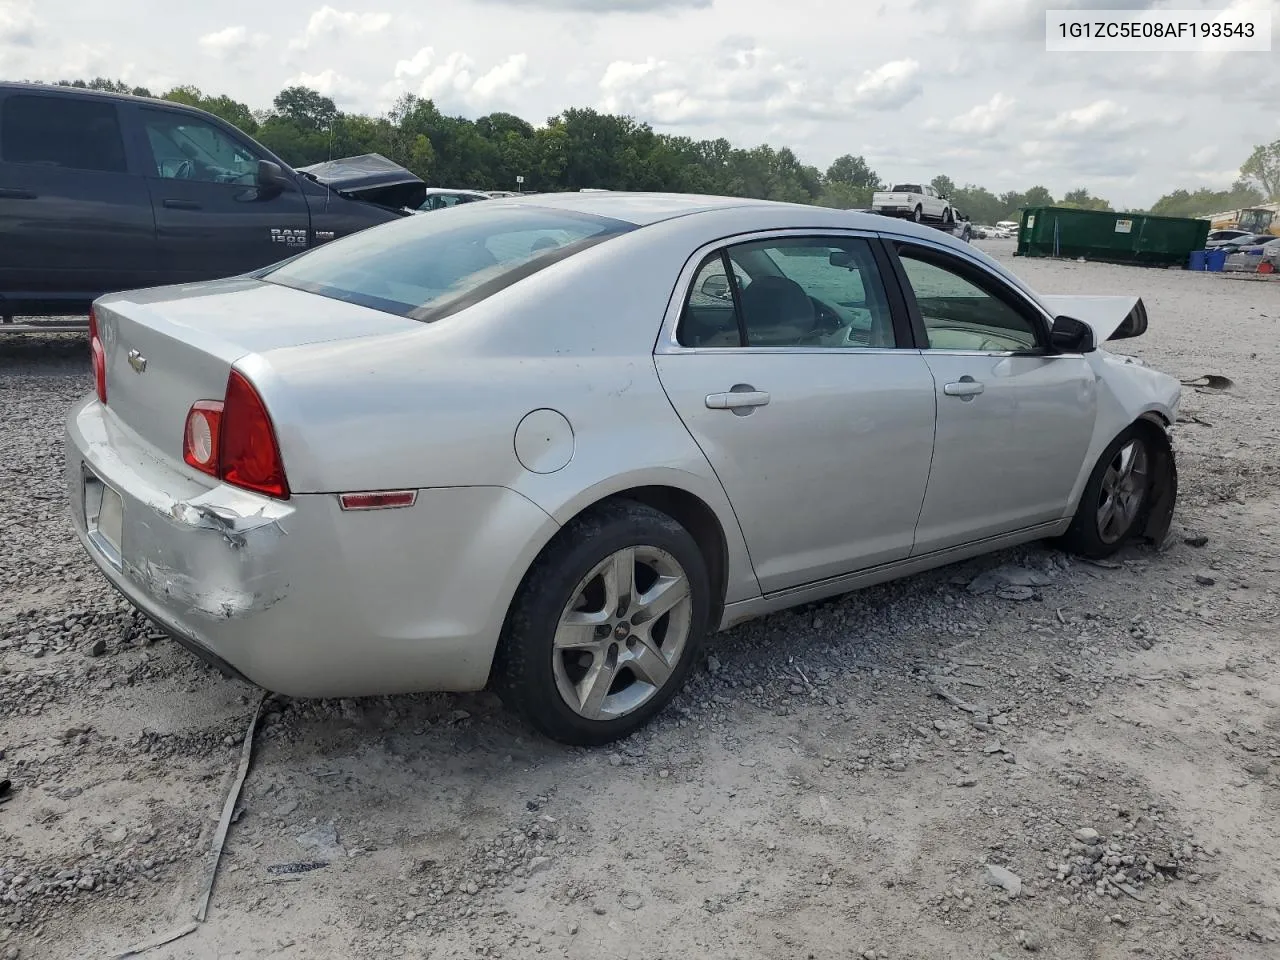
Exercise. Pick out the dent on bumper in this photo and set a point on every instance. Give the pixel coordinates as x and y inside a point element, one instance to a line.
<point>298,596</point>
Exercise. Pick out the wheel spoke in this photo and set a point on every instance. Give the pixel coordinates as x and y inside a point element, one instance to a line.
<point>1127,457</point>
<point>577,630</point>
<point>1106,516</point>
<point>619,579</point>
<point>660,598</point>
<point>594,686</point>
<point>649,664</point>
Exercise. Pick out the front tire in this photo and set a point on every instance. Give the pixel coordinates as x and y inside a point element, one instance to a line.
<point>1117,498</point>
<point>606,626</point>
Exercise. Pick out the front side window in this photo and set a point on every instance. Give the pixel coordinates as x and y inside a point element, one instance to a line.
<point>793,292</point>
<point>188,148</point>
<point>960,315</point>
<point>430,267</point>
<point>62,132</point>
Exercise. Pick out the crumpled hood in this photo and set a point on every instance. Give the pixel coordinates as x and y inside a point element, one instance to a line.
<point>1112,318</point>
<point>371,177</point>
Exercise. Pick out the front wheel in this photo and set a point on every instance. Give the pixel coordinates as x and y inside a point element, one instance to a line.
<point>1116,499</point>
<point>607,625</point>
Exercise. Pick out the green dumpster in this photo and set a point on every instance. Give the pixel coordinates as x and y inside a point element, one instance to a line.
<point>1110,236</point>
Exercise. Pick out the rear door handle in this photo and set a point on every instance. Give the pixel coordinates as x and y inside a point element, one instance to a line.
<point>737,400</point>
<point>966,388</point>
<point>8,193</point>
<point>181,204</point>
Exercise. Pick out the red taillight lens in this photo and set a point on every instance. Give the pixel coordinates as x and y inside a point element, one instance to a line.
<point>248,455</point>
<point>99,358</point>
<point>200,440</point>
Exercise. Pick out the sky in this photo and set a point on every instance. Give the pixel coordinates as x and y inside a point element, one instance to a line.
<point>918,87</point>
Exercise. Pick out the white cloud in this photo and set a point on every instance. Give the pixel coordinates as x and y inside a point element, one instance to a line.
<point>456,81</point>
<point>889,86</point>
<point>1204,156</point>
<point>344,24</point>
<point>986,119</point>
<point>746,84</point>
<point>1094,116</point>
<point>332,84</point>
<point>231,43</point>
<point>18,23</point>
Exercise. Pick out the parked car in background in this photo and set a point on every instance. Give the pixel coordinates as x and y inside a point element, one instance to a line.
<point>1219,238</point>
<point>981,231</point>
<point>438,198</point>
<point>913,201</point>
<point>102,192</point>
<point>600,426</point>
<point>1246,242</point>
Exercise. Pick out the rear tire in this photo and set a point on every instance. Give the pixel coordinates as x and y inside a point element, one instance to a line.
<point>948,218</point>
<point>606,626</point>
<point>1117,498</point>
<point>917,215</point>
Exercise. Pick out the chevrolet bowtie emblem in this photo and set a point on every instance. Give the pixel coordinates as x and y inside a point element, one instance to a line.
<point>137,361</point>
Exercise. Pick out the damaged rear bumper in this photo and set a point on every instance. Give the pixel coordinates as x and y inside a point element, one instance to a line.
<point>298,596</point>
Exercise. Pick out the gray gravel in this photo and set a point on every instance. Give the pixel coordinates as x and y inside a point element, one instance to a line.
<point>1023,753</point>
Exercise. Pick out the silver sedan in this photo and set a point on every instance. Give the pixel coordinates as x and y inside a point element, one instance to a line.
<point>550,443</point>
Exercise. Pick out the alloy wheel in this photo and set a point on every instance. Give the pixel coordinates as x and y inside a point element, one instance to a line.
<point>622,633</point>
<point>1124,488</point>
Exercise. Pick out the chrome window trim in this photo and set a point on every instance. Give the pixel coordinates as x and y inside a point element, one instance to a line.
<point>668,343</point>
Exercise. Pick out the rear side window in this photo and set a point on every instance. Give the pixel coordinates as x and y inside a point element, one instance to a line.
<point>62,132</point>
<point>429,266</point>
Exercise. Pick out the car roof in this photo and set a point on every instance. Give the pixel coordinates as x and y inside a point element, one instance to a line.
<point>24,86</point>
<point>643,209</point>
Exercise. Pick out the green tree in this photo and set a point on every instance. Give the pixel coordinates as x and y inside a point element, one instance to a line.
<point>944,185</point>
<point>223,106</point>
<point>853,172</point>
<point>305,108</point>
<point>1263,169</point>
<point>1082,200</point>
<point>109,86</point>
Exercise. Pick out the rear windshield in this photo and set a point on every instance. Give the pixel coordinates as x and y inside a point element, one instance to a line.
<point>906,188</point>
<point>429,266</point>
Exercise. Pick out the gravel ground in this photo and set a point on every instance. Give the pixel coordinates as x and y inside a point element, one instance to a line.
<point>940,767</point>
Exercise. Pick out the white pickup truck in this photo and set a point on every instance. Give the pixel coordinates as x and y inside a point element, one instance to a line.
<point>915,201</point>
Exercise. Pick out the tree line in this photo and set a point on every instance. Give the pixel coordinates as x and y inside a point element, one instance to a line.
<point>581,147</point>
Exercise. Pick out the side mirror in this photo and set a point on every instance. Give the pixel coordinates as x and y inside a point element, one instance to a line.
<point>1070,335</point>
<point>840,258</point>
<point>271,176</point>
<point>716,286</point>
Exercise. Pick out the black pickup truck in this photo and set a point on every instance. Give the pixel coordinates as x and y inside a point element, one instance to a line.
<point>102,192</point>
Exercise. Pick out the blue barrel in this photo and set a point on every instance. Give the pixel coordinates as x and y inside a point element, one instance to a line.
<point>1215,259</point>
<point>1198,260</point>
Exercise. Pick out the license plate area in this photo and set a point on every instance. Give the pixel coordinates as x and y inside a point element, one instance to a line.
<point>104,516</point>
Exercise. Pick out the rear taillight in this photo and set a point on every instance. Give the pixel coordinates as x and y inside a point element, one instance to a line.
<point>235,441</point>
<point>99,358</point>
<point>200,440</point>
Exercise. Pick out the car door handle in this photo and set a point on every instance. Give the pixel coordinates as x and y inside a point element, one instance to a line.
<point>966,388</point>
<point>8,193</point>
<point>737,400</point>
<point>181,204</point>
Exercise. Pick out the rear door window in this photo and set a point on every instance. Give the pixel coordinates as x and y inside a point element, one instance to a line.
<point>64,132</point>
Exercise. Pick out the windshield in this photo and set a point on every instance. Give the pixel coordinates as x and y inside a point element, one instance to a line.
<point>430,267</point>
<point>906,188</point>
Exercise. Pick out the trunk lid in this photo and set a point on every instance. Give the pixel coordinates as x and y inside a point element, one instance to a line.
<point>168,347</point>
